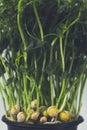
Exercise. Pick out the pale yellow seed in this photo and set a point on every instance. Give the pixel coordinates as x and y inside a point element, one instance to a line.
<point>43,119</point>
<point>15,109</point>
<point>34,104</point>
<point>34,116</point>
<point>21,117</point>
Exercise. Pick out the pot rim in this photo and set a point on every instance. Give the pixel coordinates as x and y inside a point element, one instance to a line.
<point>21,124</point>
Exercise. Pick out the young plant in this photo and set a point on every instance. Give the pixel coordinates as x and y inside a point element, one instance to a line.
<point>45,59</point>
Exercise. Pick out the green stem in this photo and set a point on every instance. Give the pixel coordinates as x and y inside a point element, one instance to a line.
<point>52,89</point>
<point>83,81</point>
<point>35,64</point>
<point>58,2</point>
<point>63,103</point>
<point>19,24</point>
<point>71,64</point>
<point>5,81</point>
<point>62,54</point>
<point>37,88</point>
<point>8,92</point>
<point>61,93</point>
<point>33,87</point>
<point>51,78</point>
<point>4,102</point>
<point>51,73</point>
<point>38,97</point>
<point>75,93</point>
<point>43,69</point>
<point>65,41</point>
<point>21,31</point>
<point>41,79</point>
<point>29,34</point>
<point>38,21</point>
<point>50,34</point>
<point>5,67</point>
<point>76,20</point>
<point>25,47</point>
<point>27,30</point>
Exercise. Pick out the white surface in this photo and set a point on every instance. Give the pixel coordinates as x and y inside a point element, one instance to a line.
<point>82,126</point>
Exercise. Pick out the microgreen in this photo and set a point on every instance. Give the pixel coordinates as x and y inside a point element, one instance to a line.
<point>45,53</point>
